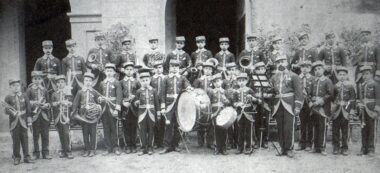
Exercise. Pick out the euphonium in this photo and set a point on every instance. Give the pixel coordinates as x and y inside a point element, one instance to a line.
<point>91,57</point>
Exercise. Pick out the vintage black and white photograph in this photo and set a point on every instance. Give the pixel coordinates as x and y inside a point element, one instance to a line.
<point>115,86</point>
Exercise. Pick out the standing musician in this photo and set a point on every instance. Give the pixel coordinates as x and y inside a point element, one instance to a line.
<point>218,102</point>
<point>157,82</point>
<point>173,86</point>
<point>304,53</point>
<point>288,101</point>
<point>205,127</point>
<point>98,57</point>
<point>154,54</point>
<point>40,104</point>
<point>148,113</point>
<point>251,55</point>
<point>245,104</point>
<point>201,54</point>
<point>49,65</point>
<point>369,110</point>
<point>224,56</point>
<point>73,66</point>
<point>86,105</point>
<point>111,98</point>
<point>333,56</point>
<point>17,106</point>
<point>61,102</point>
<point>343,108</point>
<point>129,86</point>
<point>322,90</point>
<point>126,54</point>
<point>179,55</point>
<point>263,91</point>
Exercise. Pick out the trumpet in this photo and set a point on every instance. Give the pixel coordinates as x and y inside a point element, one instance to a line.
<point>11,108</point>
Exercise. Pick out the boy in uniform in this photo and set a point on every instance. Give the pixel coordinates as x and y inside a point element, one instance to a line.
<point>179,55</point>
<point>154,54</point>
<point>224,56</point>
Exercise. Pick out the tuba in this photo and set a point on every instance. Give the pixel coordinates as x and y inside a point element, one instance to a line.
<point>91,57</point>
<point>245,62</point>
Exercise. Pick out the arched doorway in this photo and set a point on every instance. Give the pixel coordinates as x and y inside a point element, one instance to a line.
<point>212,18</point>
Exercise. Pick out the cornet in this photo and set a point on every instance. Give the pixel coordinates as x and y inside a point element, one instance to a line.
<point>39,104</point>
<point>11,108</point>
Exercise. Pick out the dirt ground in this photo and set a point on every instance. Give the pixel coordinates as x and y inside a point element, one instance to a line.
<point>198,160</point>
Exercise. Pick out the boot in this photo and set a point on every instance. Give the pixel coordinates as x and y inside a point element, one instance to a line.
<point>70,155</point>
<point>16,161</point>
<point>28,160</point>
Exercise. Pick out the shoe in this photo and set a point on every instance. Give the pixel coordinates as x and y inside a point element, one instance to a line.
<point>107,153</point>
<point>117,152</point>
<point>16,161</point>
<point>85,153</point>
<point>36,156</point>
<point>210,147</point>
<point>150,151</point>
<point>28,160</point>
<point>300,148</point>
<point>345,152</point>
<point>256,146</point>
<point>239,151</point>
<point>362,152</point>
<point>371,154</point>
<point>91,153</point>
<point>176,149</point>
<point>264,145</point>
<point>248,151</point>
<point>62,154</point>
<point>290,154</point>
<point>166,150</point>
<point>216,152</point>
<point>143,152</point>
<point>335,151</point>
<point>46,156</point>
<point>69,155</point>
<point>308,149</point>
<point>133,150</point>
<point>314,151</point>
<point>323,152</point>
<point>224,152</point>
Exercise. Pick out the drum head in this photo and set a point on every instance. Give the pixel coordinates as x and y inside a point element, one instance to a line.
<point>186,111</point>
<point>226,117</point>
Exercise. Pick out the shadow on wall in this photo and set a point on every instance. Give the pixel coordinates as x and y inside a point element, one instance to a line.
<point>369,6</point>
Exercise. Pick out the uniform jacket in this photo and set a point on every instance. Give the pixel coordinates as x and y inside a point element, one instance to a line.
<point>303,54</point>
<point>244,95</point>
<point>148,103</point>
<point>38,94</point>
<point>129,86</point>
<point>204,82</point>
<point>218,100</point>
<point>288,91</point>
<point>323,88</point>
<point>200,56</point>
<point>344,99</point>
<point>75,64</point>
<point>370,98</point>
<point>367,55</point>
<point>173,86</point>
<point>183,58</point>
<point>157,82</point>
<point>111,89</point>
<point>153,56</point>
<point>51,65</point>
<point>61,113</point>
<point>224,57</point>
<point>255,55</point>
<point>18,102</point>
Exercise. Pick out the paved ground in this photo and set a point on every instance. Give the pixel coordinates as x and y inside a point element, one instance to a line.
<point>199,160</point>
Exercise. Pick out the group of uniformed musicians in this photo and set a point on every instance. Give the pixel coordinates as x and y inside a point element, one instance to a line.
<point>312,87</point>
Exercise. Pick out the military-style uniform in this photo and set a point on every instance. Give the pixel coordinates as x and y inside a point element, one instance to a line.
<point>224,57</point>
<point>369,100</point>
<point>148,102</point>
<point>264,91</point>
<point>303,54</point>
<point>111,89</point>
<point>157,82</point>
<point>287,100</point>
<point>18,124</point>
<point>41,118</point>
<point>254,54</point>
<point>82,101</point>
<point>368,55</point>
<point>181,56</point>
<point>50,67</point>
<point>73,67</point>
<point>246,116</point>
<point>332,56</point>
<point>343,105</point>
<point>61,105</point>
<point>205,127</point>
<point>218,102</point>
<point>129,87</point>
<point>321,94</point>
<point>173,86</point>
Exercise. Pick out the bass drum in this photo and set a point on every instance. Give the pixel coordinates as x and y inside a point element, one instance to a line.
<point>192,107</point>
<point>226,117</point>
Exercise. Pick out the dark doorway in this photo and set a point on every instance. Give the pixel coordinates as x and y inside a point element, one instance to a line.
<point>45,20</point>
<point>212,18</point>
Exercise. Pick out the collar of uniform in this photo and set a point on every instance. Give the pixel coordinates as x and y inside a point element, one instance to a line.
<point>205,77</point>
<point>368,44</point>
<point>86,88</point>
<point>174,74</point>
<point>126,78</point>
<point>148,87</point>
<point>322,78</point>
<point>176,51</point>
<point>307,75</point>
<point>109,80</point>
<point>224,52</point>
<point>126,51</point>
<point>51,57</point>
<point>334,46</point>
<point>72,55</point>
<point>102,47</point>
<point>35,86</point>
<point>151,51</point>
<point>17,94</point>
<point>220,89</point>
<point>158,75</point>
<point>243,88</point>
<point>200,50</point>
